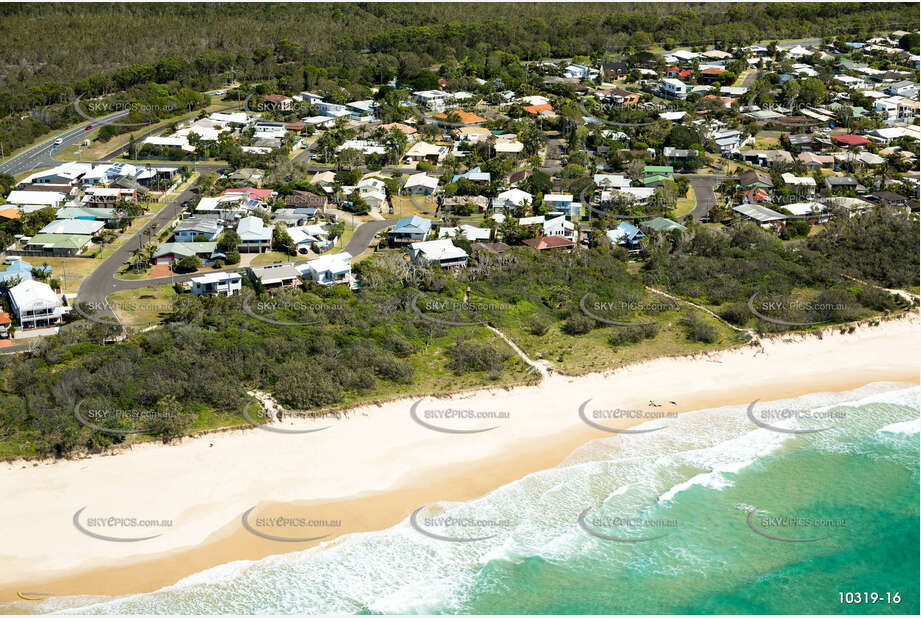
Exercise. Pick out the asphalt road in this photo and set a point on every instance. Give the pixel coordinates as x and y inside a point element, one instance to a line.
<point>703,193</point>
<point>363,235</point>
<point>40,155</point>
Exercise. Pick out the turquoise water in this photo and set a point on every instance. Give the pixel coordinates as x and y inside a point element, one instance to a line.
<point>702,475</point>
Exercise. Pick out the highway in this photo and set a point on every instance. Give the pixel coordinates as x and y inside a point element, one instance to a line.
<point>40,155</point>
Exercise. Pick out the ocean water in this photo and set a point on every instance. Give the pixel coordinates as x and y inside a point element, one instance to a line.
<point>690,546</point>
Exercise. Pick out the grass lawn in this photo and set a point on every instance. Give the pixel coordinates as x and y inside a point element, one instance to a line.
<point>684,205</point>
<point>275,257</point>
<point>74,268</point>
<point>143,307</point>
<point>404,207</point>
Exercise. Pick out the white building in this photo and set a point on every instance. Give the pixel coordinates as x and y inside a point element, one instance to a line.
<point>673,88</point>
<point>329,269</point>
<point>512,199</point>
<point>442,252</point>
<point>226,284</point>
<point>434,100</point>
<point>421,184</point>
<point>255,237</point>
<point>35,304</point>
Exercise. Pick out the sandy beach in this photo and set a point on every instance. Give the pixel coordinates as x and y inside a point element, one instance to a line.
<point>373,468</point>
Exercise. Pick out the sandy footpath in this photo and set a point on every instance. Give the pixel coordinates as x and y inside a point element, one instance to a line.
<point>372,469</point>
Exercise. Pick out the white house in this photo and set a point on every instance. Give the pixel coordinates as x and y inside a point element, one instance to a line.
<point>580,71</point>
<point>512,199</point>
<point>328,269</point>
<point>29,201</point>
<point>434,100</point>
<point>441,251</point>
<point>611,181</point>
<point>560,226</point>
<point>421,184</point>
<point>223,283</point>
<point>673,88</point>
<point>255,237</point>
<point>35,304</point>
<point>470,232</point>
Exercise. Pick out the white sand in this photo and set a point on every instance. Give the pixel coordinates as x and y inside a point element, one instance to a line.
<point>204,489</point>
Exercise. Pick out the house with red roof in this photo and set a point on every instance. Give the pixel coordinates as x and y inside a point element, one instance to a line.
<point>850,140</point>
<point>543,243</point>
<point>250,192</point>
<point>279,101</point>
<point>538,109</point>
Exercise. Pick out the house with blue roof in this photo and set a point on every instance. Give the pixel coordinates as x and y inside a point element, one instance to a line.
<point>474,175</point>
<point>409,230</point>
<point>22,270</point>
<point>626,235</point>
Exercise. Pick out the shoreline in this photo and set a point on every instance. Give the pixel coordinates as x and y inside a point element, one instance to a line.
<point>373,467</point>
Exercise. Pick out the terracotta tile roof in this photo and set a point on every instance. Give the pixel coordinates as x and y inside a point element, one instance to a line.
<point>549,242</point>
<point>536,109</point>
<point>465,117</point>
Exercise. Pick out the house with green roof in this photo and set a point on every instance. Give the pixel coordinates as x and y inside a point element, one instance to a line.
<point>661,224</point>
<point>660,170</point>
<point>172,252</point>
<point>656,180</point>
<point>57,245</point>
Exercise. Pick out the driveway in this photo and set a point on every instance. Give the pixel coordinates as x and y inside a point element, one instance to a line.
<point>703,193</point>
<point>364,234</point>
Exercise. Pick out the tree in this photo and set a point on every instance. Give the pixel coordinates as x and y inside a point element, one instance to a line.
<point>281,240</point>
<point>188,264</point>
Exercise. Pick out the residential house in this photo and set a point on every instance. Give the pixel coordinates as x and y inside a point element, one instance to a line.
<point>839,184</point>
<point>279,102</point>
<point>888,198</point>
<point>442,252</point>
<point>765,217</point>
<point>189,229</point>
<point>309,237</point>
<point>328,269</point>
<point>56,245</point>
<point>766,158</point>
<point>626,235</point>
<point>72,226</point>
<point>470,232</point>
<point>432,99</point>
<point>545,243</point>
<point>275,275</point>
<point>906,88</point>
<point>755,179</point>
<point>172,252</point>
<point>813,161</point>
<point>306,199</point>
<point>580,71</point>
<point>421,184</point>
<point>35,304</point>
<point>295,216</point>
<point>423,151</point>
<point>673,89</point>
<point>220,283</point>
<point>473,175</point>
<point>409,230</point>
<point>30,201</point>
<point>255,237</point>
<point>661,224</point>
<point>804,184</point>
<point>90,214</point>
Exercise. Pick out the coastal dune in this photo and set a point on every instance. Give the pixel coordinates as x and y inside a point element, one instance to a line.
<point>376,465</point>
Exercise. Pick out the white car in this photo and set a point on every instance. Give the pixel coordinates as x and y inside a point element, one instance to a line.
<point>59,141</point>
